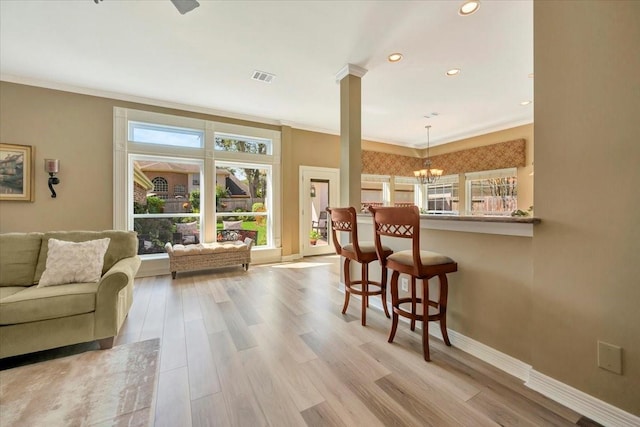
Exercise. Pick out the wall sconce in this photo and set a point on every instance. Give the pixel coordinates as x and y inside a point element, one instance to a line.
<point>52,167</point>
<point>313,190</point>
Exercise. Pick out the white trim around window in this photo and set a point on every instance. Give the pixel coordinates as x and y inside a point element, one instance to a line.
<point>205,155</point>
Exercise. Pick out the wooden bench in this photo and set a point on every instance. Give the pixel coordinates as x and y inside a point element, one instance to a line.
<point>209,255</point>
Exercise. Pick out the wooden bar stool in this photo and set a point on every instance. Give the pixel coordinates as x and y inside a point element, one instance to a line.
<point>404,222</point>
<point>344,220</point>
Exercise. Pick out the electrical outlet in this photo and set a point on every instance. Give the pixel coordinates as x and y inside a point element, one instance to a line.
<point>404,284</point>
<point>610,357</point>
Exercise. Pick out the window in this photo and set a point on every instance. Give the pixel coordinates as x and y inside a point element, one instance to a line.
<point>161,218</point>
<point>165,171</point>
<point>243,198</point>
<point>442,197</point>
<point>160,185</point>
<point>404,193</point>
<point>242,144</point>
<point>374,190</point>
<point>149,133</point>
<point>492,192</point>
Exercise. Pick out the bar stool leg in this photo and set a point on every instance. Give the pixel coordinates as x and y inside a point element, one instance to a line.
<point>347,285</point>
<point>413,303</point>
<point>365,290</point>
<point>394,304</point>
<point>444,290</point>
<point>383,287</point>
<point>425,321</point>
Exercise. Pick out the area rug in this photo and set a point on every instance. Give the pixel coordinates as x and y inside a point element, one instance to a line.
<point>102,387</point>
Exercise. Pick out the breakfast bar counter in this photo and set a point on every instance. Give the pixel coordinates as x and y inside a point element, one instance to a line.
<point>490,294</point>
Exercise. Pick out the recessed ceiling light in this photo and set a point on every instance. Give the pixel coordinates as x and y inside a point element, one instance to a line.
<point>453,72</point>
<point>469,7</point>
<point>523,103</point>
<point>395,57</point>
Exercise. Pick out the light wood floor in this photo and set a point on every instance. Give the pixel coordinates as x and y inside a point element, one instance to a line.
<point>270,347</point>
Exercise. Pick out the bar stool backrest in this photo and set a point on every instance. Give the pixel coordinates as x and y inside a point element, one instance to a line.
<point>399,222</point>
<point>344,220</point>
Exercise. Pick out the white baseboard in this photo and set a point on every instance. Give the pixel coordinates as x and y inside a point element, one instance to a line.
<point>292,257</point>
<point>583,403</point>
<point>496,358</point>
<point>154,266</point>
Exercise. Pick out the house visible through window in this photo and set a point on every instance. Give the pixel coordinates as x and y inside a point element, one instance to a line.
<point>179,190</point>
<point>160,187</point>
<point>160,216</point>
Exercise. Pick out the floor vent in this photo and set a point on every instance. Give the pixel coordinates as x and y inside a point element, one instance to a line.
<point>261,76</point>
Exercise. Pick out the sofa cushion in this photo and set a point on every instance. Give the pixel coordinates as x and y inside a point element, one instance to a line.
<point>123,244</point>
<point>18,258</point>
<point>209,248</point>
<point>6,291</point>
<point>74,262</point>
<point>33,303</point>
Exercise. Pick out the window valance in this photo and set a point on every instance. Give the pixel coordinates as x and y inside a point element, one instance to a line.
<point>502,155</point>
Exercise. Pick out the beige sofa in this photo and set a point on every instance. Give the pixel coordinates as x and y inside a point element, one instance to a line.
<point>36,318</point>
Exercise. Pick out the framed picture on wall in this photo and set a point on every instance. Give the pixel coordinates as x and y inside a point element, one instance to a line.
<point>16,173</point>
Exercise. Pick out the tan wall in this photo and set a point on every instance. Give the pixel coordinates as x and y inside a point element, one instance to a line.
<point>77,130</point>
<point>586,252</point>
<point>301,148</point>
<point>490,295</point>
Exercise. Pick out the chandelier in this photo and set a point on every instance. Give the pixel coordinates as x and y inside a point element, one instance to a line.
<point>427,175</point>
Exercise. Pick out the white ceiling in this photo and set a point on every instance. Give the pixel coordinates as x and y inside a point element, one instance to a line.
<point>205,59</point>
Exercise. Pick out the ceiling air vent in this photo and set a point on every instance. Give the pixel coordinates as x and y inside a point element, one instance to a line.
<point>261,76</point>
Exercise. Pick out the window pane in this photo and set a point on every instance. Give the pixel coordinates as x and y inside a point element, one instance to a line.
<point>242,144</point>
<point>163,187</point>
<point>403,194</point>
<point>246,221</point>
<point>497,196</point>
<point>154,233</point>
<point>170,181</point>
<point>165,135</point>
<point>442,198</point>
<point>241,194</point>
<point>371,193</point>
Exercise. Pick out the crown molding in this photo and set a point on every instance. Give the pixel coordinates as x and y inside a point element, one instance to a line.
<point>351,69</point>
<point>134,98</point>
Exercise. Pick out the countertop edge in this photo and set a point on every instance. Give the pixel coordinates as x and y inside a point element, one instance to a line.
<point>476,218</point>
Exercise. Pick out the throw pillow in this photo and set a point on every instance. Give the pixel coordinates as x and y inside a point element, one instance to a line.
<point>71,262</point>
<point>189,228</point>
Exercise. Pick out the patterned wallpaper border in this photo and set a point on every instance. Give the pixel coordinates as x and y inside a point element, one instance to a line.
<point>507,154</point>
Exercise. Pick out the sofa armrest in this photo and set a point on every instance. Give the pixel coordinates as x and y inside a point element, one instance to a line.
<point>112,299</point>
